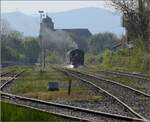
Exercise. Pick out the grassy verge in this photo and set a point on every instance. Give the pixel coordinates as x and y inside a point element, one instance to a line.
<point>91,68</point>
<point>34,84</point>
<point>134,60</point>
<point>10,112</point>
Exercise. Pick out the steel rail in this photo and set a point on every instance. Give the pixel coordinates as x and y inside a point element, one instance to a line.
<point>115,116</point>
<point>9,81</point>
<point>5,73</point>
<point>117,99</point>
<point>128,75</point>
<point>114,82</point>
<point>133,73</point>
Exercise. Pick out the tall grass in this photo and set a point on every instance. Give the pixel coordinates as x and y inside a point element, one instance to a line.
<point>10,112</point>
<point>129,59</point>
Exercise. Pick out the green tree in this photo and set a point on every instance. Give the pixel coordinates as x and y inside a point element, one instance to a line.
<point>136,20</point>
<point>54,58</point>
<point>99,42</point>
<point>32,49</point>
<point>12,46</point>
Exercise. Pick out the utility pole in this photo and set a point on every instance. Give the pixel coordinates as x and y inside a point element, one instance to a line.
<point>41,41</point>
<point>69,87</point>
<point>44,55</point>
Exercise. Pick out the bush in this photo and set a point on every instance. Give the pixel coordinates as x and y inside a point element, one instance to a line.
<point>93,59</point>
<point>107,58</point>
<point>101,41</point>
<point>129,59</point>
<point>54,58</point>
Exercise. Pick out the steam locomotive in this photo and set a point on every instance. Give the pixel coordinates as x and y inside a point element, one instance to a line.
<point>76,57</point>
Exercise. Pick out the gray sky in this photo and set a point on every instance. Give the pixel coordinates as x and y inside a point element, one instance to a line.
<point>32,7</point>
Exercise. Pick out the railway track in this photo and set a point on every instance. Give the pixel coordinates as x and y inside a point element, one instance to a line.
<point>67,110</point>
<point>129,74</point>
<point>138,101</point>
<point>5,73</point>
<point>102,77</point>
<point>134,73</point>
<point>9,77</point>
<point>72,112</point>
<point>141,84</point>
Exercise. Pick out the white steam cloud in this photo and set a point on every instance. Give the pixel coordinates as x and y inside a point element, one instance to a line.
<point>59,38</point>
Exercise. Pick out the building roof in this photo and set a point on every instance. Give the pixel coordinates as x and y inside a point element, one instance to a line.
<point>82,32</point>
<point>79,35</point>
<point>116,46</point>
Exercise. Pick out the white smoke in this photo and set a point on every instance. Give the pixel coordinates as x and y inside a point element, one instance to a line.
<point>59,38</point>
<point>69,66</point>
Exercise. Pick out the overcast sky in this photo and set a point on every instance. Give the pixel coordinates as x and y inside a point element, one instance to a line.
<point>32,7</point>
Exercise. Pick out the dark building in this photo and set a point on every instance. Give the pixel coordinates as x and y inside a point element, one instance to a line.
<point>48,23</point>
<point>79,35</point>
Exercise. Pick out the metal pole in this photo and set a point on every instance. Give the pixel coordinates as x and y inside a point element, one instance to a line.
<point>40,36</point>
<point>69,87</point>
<point>44,55</point>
